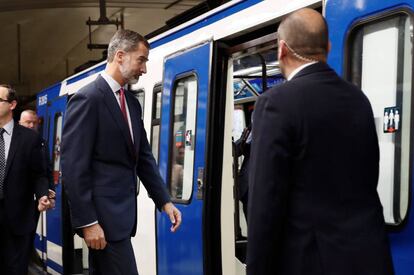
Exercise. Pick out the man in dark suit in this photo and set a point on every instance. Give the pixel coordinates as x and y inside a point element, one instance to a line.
<point>22,174</point>
<point>29,119</point>
<point>242,148</point>
<point>104,149</point>
<point>313,206</point>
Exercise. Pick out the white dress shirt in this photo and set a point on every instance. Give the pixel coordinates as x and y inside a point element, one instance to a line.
<point>115,88</point>
<point>298,69</point>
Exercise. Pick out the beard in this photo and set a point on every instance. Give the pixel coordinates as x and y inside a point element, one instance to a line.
<point>128,75</point>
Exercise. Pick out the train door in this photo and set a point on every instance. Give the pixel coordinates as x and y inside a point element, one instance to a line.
<point>378,58</point>
<point>54,226</point>
<point>43,128</point>
<point>252,69</point>
<point>182,158</point>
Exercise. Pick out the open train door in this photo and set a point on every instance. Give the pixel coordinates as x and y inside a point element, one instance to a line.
<point>182,158</point>
<point>54,225</point>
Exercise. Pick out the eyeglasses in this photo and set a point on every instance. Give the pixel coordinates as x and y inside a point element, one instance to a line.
<point>4,100</point>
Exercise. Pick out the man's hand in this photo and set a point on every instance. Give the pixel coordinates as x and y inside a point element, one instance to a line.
<point>174,214</point>
<point>94,236</point>
<point>43,204</point>
<point>52,198</point>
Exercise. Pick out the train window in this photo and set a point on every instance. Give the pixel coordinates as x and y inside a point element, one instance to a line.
<point>183,138</point>
<point>254,73</point>
<point>140,95</point>
<point>56,147</point>
<point>155,120</point>
<point>380,63</point>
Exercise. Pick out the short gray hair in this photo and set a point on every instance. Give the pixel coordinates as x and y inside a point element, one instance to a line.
<point>125,40</point>
<point>28,111</point>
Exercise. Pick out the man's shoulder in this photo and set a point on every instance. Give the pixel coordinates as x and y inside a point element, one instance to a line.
<point>27,133</point>
<point>89,89</point>
<point>88,93</point>
<point>280,91</point>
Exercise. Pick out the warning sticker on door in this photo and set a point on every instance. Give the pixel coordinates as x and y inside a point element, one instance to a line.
<point>391,119</point>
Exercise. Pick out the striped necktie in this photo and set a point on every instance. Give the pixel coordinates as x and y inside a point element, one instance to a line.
<point>2,162</point>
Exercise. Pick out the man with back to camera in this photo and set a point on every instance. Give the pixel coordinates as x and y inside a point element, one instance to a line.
<point>104,149</point>
<point>22,174</point>
<point>313,206</point>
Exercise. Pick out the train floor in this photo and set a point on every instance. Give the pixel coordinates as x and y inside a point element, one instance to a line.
<point>36,270</point>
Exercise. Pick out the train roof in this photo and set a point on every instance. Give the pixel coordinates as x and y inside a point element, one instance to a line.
<point>223,13</point>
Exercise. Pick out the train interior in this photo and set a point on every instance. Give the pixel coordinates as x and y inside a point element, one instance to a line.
<point>254,70</point>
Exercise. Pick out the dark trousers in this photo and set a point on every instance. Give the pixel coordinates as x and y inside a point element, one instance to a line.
<point>116,259</point>
<point>14,249</point>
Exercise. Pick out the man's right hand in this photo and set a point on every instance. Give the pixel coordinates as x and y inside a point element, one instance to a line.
<point>94,236</point>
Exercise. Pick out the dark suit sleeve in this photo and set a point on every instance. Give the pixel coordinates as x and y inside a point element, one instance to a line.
<point>38,170</point>
<point>269,176</point>
<point>78,138</point>
<point>48,164</point>
<point>149,174</point>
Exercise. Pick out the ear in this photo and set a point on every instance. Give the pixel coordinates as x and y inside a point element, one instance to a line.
<point>119,56</point>
<point>282,50</point>
<point>329,47</point>
<point>13,105</point>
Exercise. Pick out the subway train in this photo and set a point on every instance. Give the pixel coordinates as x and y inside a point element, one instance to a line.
<point>198,95</point>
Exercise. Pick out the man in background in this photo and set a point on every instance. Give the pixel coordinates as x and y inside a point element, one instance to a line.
<point>313,205</point>
<point>22,175</point>
<point>29,119</point>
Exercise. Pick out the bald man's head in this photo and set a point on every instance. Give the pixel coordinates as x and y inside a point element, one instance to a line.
<point>29,119</point>
<point>306,33</point>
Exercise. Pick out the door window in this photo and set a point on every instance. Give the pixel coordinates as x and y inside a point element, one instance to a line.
<point>56,147</point>
<point>183,138</point>
<point>156,121</point>
<point>380,63</point>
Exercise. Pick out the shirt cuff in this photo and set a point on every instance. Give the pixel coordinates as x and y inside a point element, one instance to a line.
<point>83,226</point>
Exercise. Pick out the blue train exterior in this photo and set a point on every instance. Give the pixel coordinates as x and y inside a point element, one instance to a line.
<point>345,19</point>
<point>212,64</point>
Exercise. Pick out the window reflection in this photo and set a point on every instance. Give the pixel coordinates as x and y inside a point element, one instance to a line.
<point>182,145</point>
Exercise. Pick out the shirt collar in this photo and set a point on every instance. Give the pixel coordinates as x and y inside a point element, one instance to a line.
<point>115,86</point>
<point>8,128</point>
<point>298,69</point>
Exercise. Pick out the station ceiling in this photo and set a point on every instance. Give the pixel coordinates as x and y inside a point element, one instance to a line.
<point>43,41</point>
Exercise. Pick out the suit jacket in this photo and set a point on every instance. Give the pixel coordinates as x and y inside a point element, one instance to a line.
<point>48,164</point>
<point>100,163</point>
<point>25,176</point>
<point>313,204</point>
<point>243,148</point>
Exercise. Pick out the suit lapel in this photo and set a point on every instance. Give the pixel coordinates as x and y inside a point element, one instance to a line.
<point>135,117</point>
<point>113,107</point>
<point>14,144</point>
